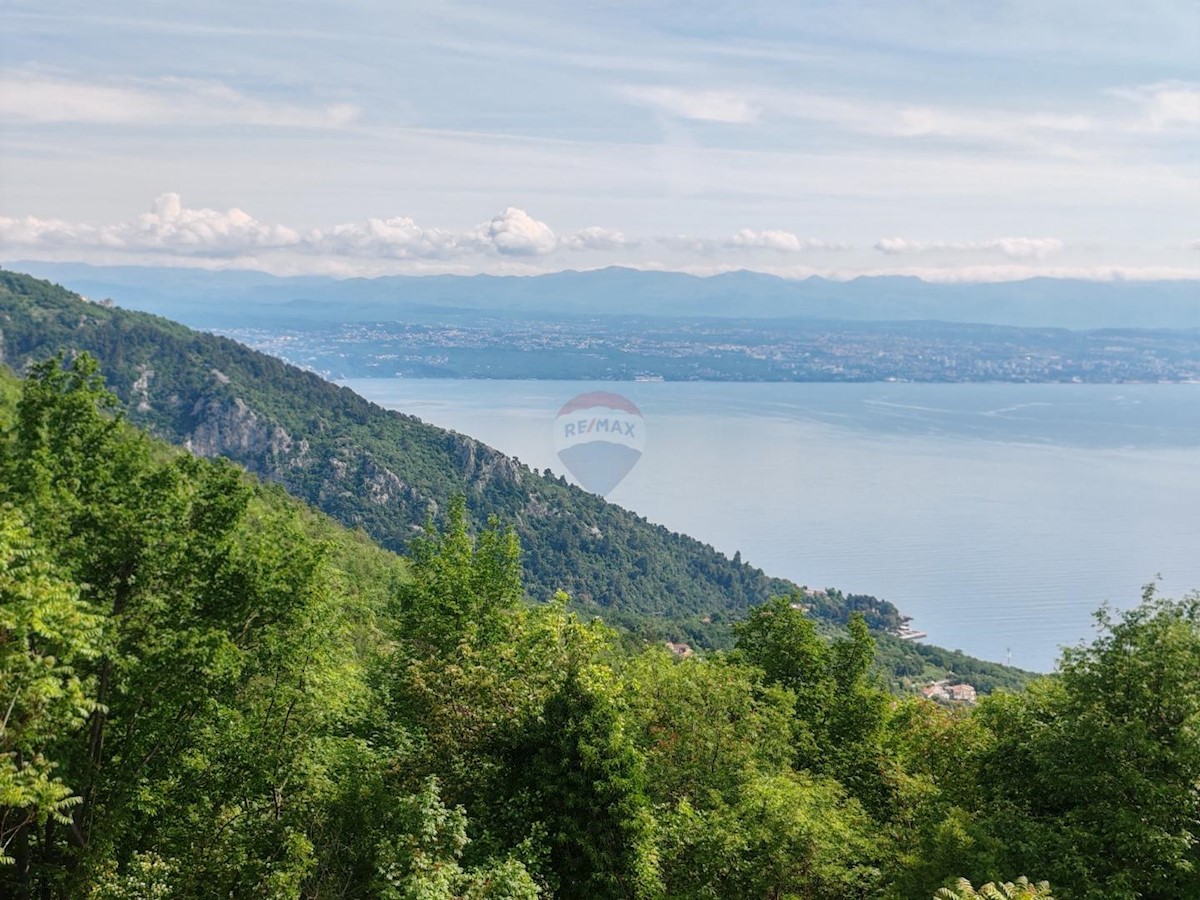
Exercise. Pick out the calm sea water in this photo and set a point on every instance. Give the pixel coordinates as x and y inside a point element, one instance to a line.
<point>998,516</point>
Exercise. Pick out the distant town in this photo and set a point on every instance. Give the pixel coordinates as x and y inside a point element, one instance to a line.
<point>625,348</point>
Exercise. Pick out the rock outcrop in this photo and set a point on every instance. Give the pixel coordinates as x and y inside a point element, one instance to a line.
<point>227,426</point>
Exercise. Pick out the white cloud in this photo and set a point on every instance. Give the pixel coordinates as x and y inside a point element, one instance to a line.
<point>1160,107</point>
<point>1165,105</point>
<point>511,233</point>
<point>748,239</point>
<point>595,238</point>
<point>780,241</point>
<point>966,274</point>
<point>1012,247</point>
<point>700,105</point>
<point>167,227</point>
<point>863,116</point>
<point>170,227</point>
<point>514,232</point>
<point>515,242</point>
<point>31,231</point>
<point>161,101</point>
<point>398,238</point>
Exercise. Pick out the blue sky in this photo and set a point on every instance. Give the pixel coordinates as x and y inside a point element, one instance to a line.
<point>953,140</point>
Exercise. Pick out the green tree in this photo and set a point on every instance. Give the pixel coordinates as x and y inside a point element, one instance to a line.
<point>705,726</point>
<point>422,861</point>
<point>840,709</point>
<point>583,782</point>
<point>46,632</point>
<point>783,642</point>
<point>792,835</point>
<point>211,676</point>
<point>1091,778</point>
<point>472,665</point>
<point>932,829</point>
<point>457,678</point>
<point>463,588</point>
<point>854,733</point>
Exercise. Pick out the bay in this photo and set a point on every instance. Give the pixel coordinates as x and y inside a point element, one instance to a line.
<point>998,516</point>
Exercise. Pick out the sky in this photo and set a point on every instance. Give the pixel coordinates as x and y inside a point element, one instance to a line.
<point>955,140</point>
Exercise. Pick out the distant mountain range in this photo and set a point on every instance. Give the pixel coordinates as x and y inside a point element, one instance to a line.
<point>233,299</point>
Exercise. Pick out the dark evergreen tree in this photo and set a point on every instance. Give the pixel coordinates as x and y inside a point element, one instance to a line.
<point>585,784</point>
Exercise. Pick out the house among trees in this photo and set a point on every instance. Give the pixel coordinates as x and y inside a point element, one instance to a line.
<point>945,692</point>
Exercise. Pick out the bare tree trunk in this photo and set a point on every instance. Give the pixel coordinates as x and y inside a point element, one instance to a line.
<point>46,863</point>
<point>21,861</point>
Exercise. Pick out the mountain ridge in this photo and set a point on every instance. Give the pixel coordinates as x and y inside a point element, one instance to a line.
<point>217,299</point>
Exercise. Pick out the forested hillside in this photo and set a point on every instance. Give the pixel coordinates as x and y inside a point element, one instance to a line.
<point>212,692</point>
<point>386,473</point>
<point>374,468</point>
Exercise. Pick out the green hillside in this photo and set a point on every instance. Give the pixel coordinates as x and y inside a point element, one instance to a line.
<point>375,468</point>
<point>385,473</point>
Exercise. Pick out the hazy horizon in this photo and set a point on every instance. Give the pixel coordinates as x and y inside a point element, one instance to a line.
<point>945,276</point>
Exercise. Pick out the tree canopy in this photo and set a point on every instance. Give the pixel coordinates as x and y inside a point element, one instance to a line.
<point>210,690</point>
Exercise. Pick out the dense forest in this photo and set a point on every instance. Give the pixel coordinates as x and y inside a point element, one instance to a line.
<point>210,690</point>
<point>385,472</point>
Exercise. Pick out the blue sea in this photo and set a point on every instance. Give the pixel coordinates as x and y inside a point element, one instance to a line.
<point>998,516</point>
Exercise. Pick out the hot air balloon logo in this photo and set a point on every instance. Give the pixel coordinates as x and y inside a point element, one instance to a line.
<point>599,437</point>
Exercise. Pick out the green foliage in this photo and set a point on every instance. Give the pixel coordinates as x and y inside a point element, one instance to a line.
<point>783,836</point>
<point>203,647</point>
<point>463,589</point>
<point>422,861</point>
<point>210,691</point>
<point>706,727</point>
<point>146,876</point>
<point>783,642</point>
<point>45,632</point>
<point>839,710</point>
<point>470,658</point>
<point>584,781</point>
<point>934,755</point>
<point>1019,890</point>
<point>1091,779</point>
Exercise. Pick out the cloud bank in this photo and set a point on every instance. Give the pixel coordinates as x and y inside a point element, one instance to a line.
<point>1012,247</point>
<point>515,242</point>
<point>171,227</point>
<point>779,241</point>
